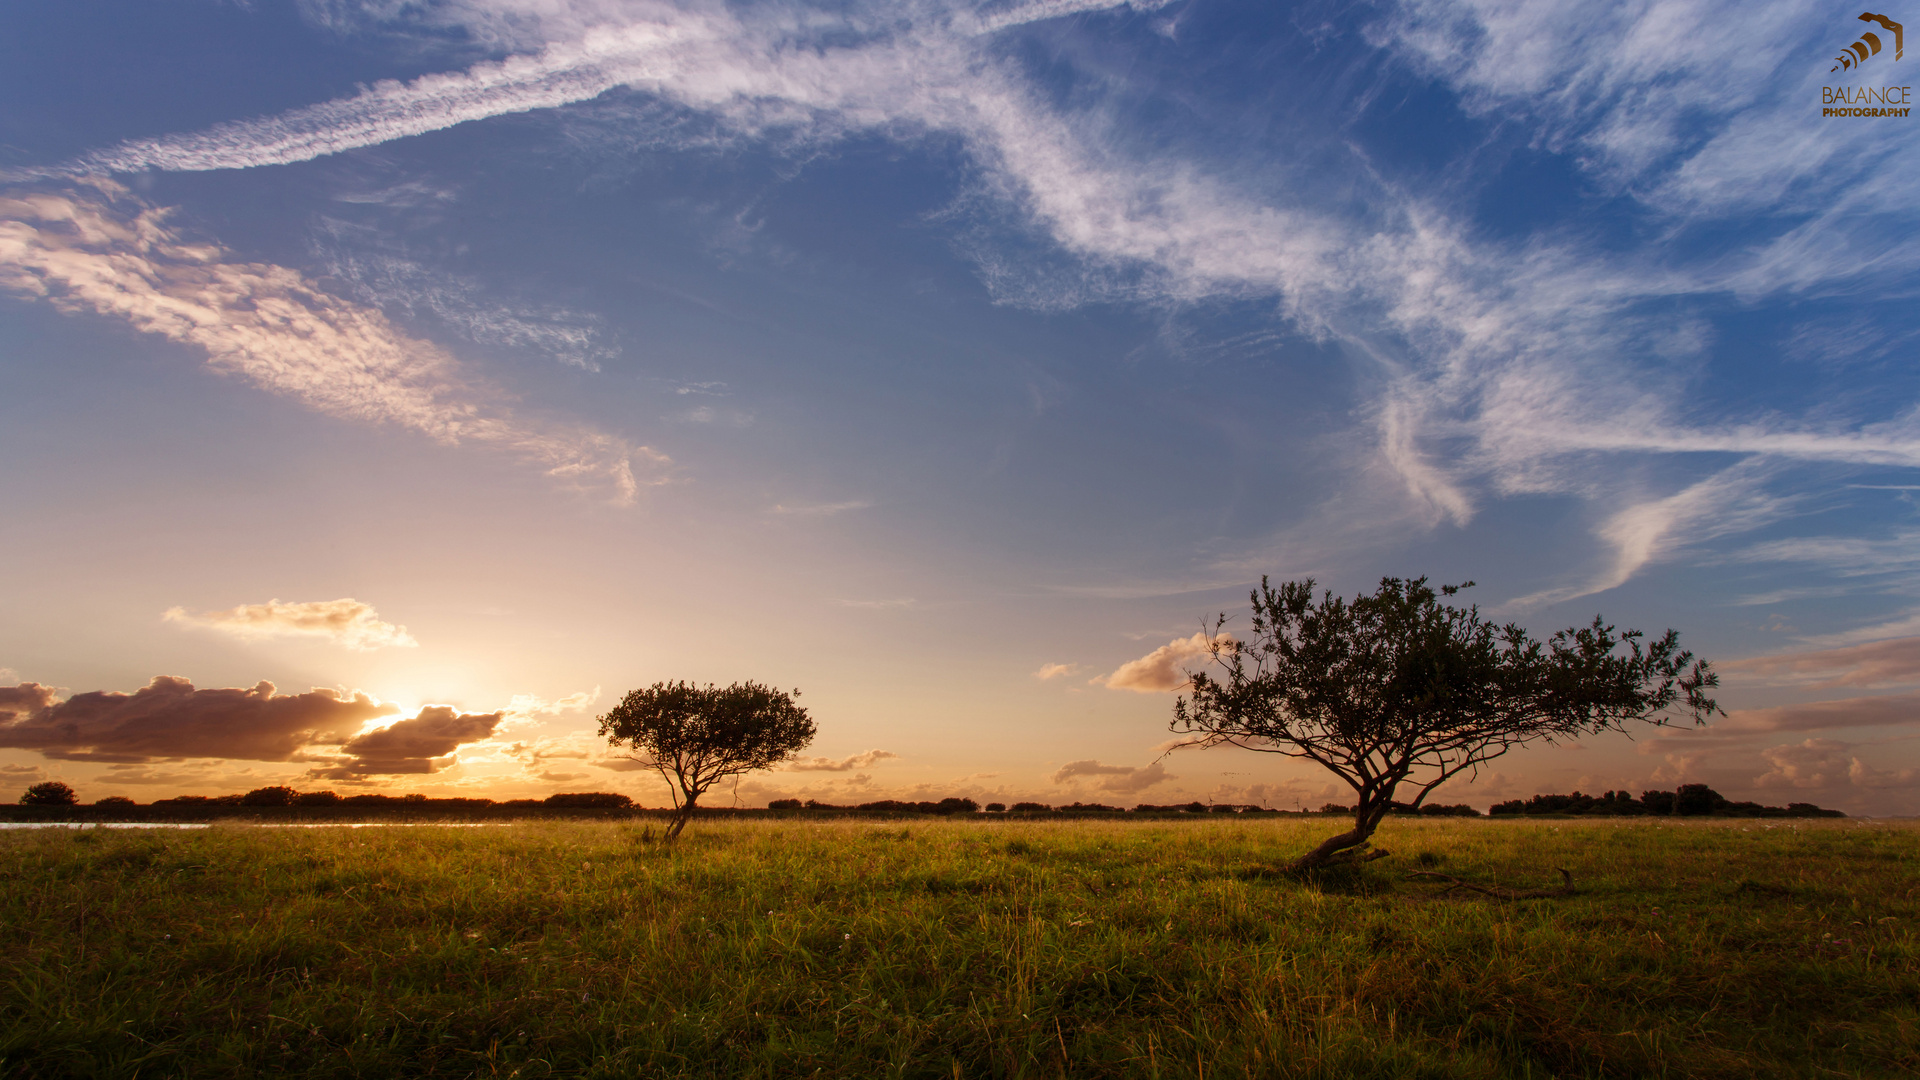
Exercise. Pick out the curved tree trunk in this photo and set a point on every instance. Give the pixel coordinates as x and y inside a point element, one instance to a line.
<point>681,815</point>
<point>1350,846</point>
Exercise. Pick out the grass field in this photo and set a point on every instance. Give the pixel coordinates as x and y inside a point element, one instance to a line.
<point>960,948</point>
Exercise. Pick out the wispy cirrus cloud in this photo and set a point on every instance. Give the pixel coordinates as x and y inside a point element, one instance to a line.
<point>1495,366</point>
<point>1878,663</point>
<point>820,509</point>
<point>864,760</point>
<point>346,622</point>
<point>1119,779</point>
<point>97,248</point>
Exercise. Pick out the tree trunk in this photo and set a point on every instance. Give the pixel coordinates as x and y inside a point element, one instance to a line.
<point>1350,846</point>
<point>681,814</point>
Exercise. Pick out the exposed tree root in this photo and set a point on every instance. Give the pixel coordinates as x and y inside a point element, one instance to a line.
<point>1498,892</point>
<point>1347,857</point>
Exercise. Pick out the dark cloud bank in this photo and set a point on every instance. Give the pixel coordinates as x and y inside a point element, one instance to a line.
<point>168,719</point>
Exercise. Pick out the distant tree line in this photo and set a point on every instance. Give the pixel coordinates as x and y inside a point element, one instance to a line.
<point>1691,800</point>
<point>55,793</point>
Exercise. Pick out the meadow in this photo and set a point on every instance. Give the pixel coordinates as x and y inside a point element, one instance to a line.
<point>960,948</point>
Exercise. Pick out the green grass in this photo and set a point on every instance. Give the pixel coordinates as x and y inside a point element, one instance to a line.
<point>959,948</point>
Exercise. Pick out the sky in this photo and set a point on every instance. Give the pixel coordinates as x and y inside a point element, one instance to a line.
<point>387,387</point>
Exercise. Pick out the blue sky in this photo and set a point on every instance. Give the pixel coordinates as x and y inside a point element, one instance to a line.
<point>942,360</point>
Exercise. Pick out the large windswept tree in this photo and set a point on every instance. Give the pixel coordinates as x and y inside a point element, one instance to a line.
<point>1398,692</point>
<point>696,736</point>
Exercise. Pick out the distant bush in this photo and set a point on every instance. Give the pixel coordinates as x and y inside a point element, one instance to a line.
<point>49,793</point>
<point>317,798</point>
<point>784,804</point>
<point>1434,810</point>
<point>590,800</point>
<point>270,796</point>
<point>1031,808</point>
<point>115,801</point>
<point>1336,808</point>
<point>1089,807</point>
<point>996,807</point>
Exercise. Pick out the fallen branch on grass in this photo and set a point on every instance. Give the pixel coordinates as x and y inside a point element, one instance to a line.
<point>1499,892</point>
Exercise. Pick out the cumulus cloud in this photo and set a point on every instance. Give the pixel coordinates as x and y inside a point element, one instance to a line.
<point>421,744</point>
<point>19,701</point>
<point>96,248</point>
<point>1161,670</point>
<point>527,708</point>
<point>346,622</point>
<point>1826,763</point>
<point>845,764</point>
<point>169,718</point>
<point>1119,779</point>
<point>1878,663</point>
<point>1054,671</point>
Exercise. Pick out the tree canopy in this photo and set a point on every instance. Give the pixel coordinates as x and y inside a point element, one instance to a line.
<point>1401,688</point>
<point>695,736</point>
<point>49,793</point>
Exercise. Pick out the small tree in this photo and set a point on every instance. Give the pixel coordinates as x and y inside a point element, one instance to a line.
<point>1399,688</point>
<point>49,793</point>
<point>695,736</point>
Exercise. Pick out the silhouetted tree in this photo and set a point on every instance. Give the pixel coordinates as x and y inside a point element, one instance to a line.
<point>1400,688</point>
<point>278,795</point>
<point>695,736</point>
<point>49,793</point>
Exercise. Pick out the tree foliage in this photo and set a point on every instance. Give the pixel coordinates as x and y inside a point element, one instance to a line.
<point>695,736</point>
<point>1400,688</point>
<point>49,793</point>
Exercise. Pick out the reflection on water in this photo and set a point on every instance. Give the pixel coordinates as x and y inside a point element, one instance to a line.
<point>250,824</point>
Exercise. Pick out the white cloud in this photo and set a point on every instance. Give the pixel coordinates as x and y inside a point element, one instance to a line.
<point>1161,670</point>
<point>107,252</point>
<point>394,283</point>
<point>1516,366</point>
<point>1729,501</point>
<point>1054,671</point>
<point>346,622</point>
